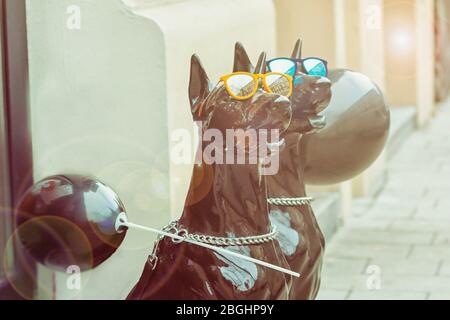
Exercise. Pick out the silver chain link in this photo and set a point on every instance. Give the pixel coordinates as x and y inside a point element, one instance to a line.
<point>290,202</point>
<point>174,228</point>
<point>228,241</point>
<point>232,241</point>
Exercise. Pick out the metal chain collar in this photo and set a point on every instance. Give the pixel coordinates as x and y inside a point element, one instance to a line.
<point>227,241</point>
<point>231,241</point>
<point>174,228</point>
<point>222,241</point>
<point>290,202</point>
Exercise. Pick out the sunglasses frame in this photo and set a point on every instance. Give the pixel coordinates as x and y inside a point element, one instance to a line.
<point>301,62</point>
<point>256,78</point>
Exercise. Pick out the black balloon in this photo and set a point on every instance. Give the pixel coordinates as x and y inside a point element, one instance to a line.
<point>70,220</point>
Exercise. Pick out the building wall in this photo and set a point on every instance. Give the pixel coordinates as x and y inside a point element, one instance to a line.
<point>442,45</point>
<point>105,98</point>
<point>354,40</point>
<point>209,28</point>
<point>410,55</point>
<point>400,54</point>
<point>425,60</point>
<point>306,19</point>
<point>97,97</point>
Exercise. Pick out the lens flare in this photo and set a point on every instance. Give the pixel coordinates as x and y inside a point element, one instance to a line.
<point>401,40</point>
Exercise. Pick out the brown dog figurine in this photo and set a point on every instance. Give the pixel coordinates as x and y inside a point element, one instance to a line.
<point>338,129</point>
<point>300,237</point>
<point>226,201</point>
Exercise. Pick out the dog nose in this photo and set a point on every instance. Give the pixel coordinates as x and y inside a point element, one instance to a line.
<point>323,80</point>
<point>282,107</point>
<point>323,83</point>
<point>282,100</point>
<point>282,104</point>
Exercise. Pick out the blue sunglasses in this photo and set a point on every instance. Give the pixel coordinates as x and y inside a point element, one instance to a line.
<point>310,66</point>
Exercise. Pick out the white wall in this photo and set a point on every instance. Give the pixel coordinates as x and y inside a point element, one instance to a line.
<point>209,28</point>
<point>105,99</point>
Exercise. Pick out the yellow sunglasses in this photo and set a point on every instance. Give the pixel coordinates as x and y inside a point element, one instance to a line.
<point>244,85</point>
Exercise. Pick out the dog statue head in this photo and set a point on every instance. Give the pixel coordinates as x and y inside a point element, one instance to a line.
<point>310,96</point>
<point>216,109</point>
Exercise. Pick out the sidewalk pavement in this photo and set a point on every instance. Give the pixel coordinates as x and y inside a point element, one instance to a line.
<point>397,245</point>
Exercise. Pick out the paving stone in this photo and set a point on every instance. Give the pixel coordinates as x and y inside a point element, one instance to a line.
<point>433,252</point>
<point>439,295</point>
<point>392,207</point>
<point>444,269</point>
<point>331,294</point>
<point>445,166</point>
<point>386,295</point>
<point>389,214</point>
<point>415,283</point>
<point>433,217</point>
<point>341,266</point>
<point>357,250</point>
<point>442,239</point>
<point>408,187</point>
<point>407,267</point>
<point>403,232</point>
<point>429,211</point>
<point>422,225</point>
<point>385,237</point>
<point>361,206</point>
<point>443,206</point>
<point>343,282</point>
<point>438,194</point>
<point>365,224</point>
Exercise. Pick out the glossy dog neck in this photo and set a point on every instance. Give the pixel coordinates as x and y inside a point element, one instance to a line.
<point>291,173</point>
<point>227,200</point>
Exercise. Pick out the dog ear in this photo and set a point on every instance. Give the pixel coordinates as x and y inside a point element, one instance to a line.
<point>199,86</point>
<point>261,65</point>
<point>242,62</point>
<point>297,53</point>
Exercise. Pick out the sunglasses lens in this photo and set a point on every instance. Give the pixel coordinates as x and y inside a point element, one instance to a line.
<point>285,66</point>
<point>241,85</point>
<point>315,67</point>
<point>279,84</point>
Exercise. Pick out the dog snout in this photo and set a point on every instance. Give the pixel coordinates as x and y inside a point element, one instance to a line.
<point>321,90</point>
<point>320,83</point>
<point>323,84</point>
<point>281,111</point>
<point>278,105</point>
<point>324,81</point>
<point>273,111</point>
<point>282,103</point>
